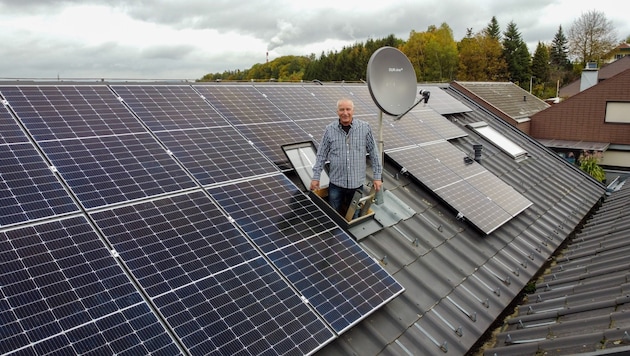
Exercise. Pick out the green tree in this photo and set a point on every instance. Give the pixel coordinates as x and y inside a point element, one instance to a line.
<point>540,70</point>
<point>559,51</point>
<point>516,56</point>
<point>591,37</point>
<point>480,59</point>
<point>432,53</point>
<point>493,30</point>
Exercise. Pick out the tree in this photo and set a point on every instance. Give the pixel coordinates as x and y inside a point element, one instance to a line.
<point>540,69</point>
<point>516,56</point>
<point>559,51</point>
<point>493,30</point>
<point>432,53</point>
<point>591,37</point>
<point>481,59</point>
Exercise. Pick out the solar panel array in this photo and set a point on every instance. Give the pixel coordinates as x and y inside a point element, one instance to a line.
<point>481,197</point>
<point>155,219</point>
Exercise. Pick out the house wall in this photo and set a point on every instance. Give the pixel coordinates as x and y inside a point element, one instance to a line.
<point>582,117</point>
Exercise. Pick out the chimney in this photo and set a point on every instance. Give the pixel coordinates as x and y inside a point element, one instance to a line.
<point>590,76</point>
<point>477,147</point>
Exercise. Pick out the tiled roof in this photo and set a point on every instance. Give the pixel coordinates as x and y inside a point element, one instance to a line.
<point>581,303</point>
<point>507,97</point>
<point>604,73</point>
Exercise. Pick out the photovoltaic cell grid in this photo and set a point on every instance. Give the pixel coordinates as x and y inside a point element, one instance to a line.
<point>242,104</point>
<point>322,262</point>
<point>209,282</point>
<point>485,200</point>
<point>106,155</point>
<point>205,143</point>
<point>216,155</point>
<point>113,169</point>
<point>256,118</point>
<point>64,293</point>
<point>169,107</point>
<point>11,132</point>
<point>436,123</point>
<point>442,102</point>
<point>297,103</point>
<point>28,188</point>
<point>61,112</point>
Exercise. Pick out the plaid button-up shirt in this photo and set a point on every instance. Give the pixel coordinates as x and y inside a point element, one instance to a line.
<point>347,154</point>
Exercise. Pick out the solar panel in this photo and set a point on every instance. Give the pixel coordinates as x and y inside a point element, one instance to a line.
<point>204,142</point>
<point>482,198</point>
<point>256,118</point>
<point>323,263</point>
<point>296,102</point>
<point>169,107</point>
<point>442,102</point>
<point>436,123</point>
<point>64,293</point>
<point>28,188</point>
<point>10,131</point>
<point>61,112</point>
<point>213,288</point>
<point>242,104</point>
<point>113,169</point>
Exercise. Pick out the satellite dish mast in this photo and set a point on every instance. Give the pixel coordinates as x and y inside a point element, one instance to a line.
<point>391,81</point>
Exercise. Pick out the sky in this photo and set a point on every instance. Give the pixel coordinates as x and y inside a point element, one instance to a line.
<point>187,39</point>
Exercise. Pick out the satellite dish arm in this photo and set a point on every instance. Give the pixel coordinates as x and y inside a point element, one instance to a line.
<point>425,97</point>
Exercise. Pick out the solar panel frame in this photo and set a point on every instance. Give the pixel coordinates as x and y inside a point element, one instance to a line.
<point>9,128</point>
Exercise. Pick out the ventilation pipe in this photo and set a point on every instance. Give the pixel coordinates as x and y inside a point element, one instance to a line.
<point>477,147</point>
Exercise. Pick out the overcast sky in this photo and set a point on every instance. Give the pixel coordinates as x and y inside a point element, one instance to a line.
<point>186,39</point>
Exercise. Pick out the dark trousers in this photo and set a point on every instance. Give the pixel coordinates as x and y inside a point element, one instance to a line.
<point>340,198</point>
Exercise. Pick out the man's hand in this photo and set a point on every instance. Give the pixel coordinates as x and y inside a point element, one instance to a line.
<point>314,184</point>
<point>378,184</point>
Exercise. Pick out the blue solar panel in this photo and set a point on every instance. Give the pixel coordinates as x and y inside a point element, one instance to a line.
<point>63,293</point>
<point>60,112</point>
<point>256,118</point>
<point>113,169</point>
<point>297,103</point>
<point>205,143</point>
<point>169,107</point>
<point>209,282</point>
<point>28,188</point>
<point>322,262</point>
<point>482,198</point>
<point>10,132</point>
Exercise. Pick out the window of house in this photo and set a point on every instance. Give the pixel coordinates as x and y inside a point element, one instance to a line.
<point>499,140</point>
<point>618,112</point>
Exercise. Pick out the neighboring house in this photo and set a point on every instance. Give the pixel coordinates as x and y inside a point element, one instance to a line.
<point>596,119</point>
<point>504,99</point>
<point>620,51</point>
<point>592,76</point>
<point>179,207</point>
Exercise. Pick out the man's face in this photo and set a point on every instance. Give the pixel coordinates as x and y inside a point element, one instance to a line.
<point>345,112</point>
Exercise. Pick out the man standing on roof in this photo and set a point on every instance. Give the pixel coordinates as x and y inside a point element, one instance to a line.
<point>345,144</point>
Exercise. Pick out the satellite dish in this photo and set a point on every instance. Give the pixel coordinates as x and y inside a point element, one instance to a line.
<point>391,80</point>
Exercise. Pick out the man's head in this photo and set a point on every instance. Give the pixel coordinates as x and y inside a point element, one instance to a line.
<point>345,110</point>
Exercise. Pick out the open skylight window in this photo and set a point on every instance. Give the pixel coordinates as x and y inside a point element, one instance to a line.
<point>497,138</point>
